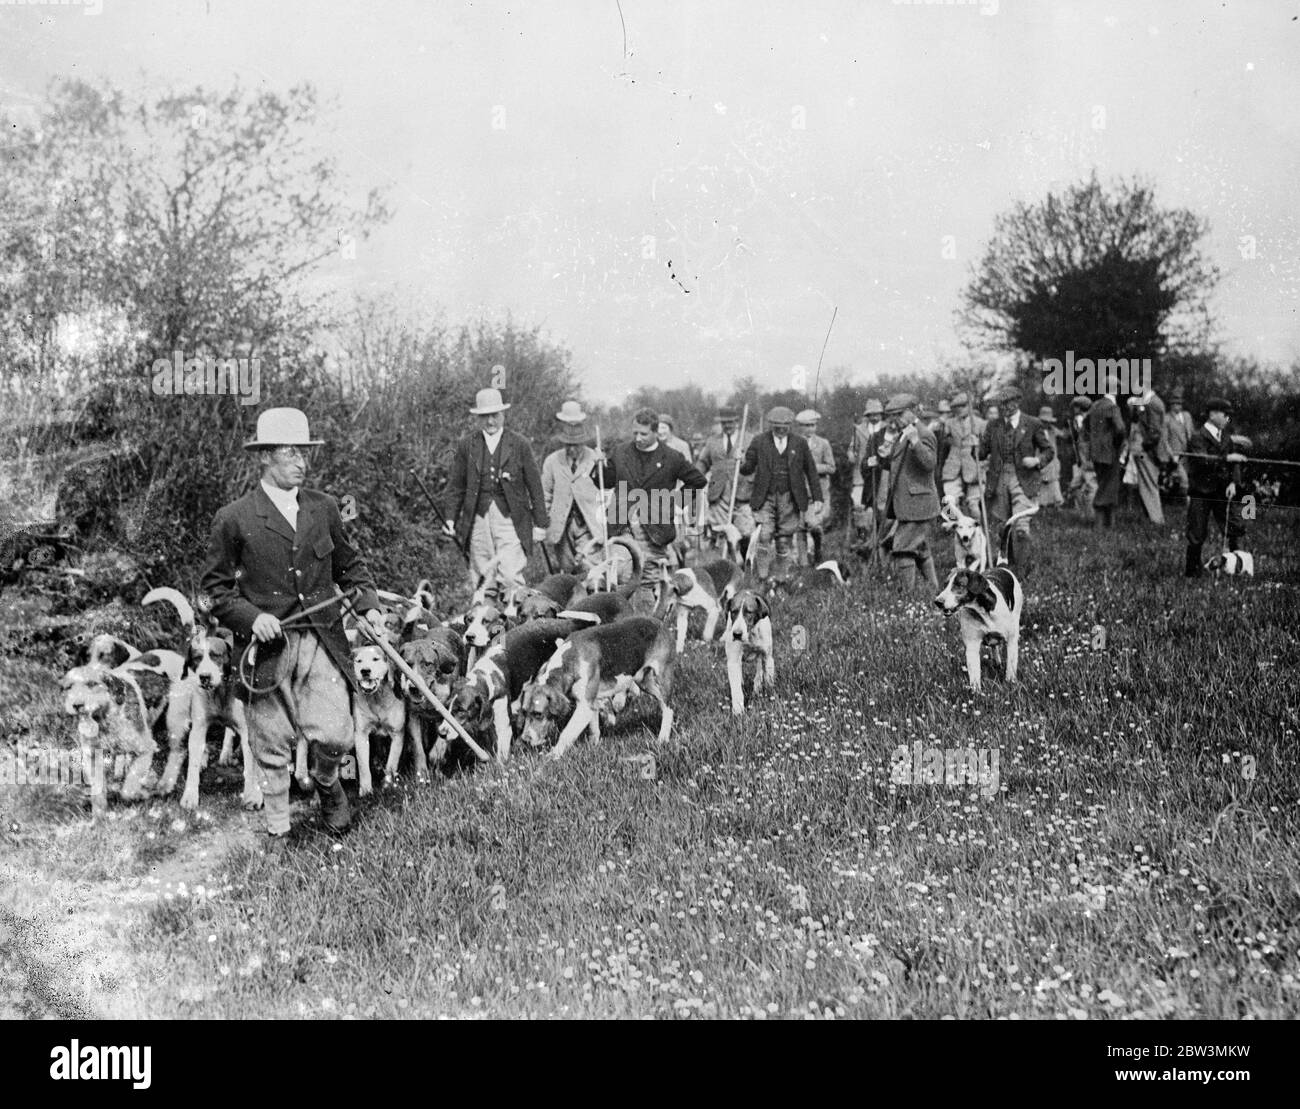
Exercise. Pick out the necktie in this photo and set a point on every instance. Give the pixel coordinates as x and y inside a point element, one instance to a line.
<point>728,444</point>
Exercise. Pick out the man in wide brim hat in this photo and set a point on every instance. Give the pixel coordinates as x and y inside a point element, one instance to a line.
<point>494,504</point>
<point>572,496</point>
<point>276,551</point>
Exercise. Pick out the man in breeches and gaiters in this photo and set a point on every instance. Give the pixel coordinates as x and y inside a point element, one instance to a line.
<point>278,550</point>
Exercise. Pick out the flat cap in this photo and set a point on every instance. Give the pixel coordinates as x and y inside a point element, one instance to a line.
<point>780,415</point>
<point>1081,403</point>
<point>1009,392</point>
<point>873,408</point>
<point>899,402</point>
<point>1218,404</point>
<point>960,399</point>
<point>808,416</point>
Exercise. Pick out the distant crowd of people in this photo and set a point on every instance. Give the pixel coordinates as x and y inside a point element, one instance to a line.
<point>771,489</point>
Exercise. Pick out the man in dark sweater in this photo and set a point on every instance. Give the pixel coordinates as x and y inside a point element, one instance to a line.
<point>1212,484</point>
<point>643,475</point>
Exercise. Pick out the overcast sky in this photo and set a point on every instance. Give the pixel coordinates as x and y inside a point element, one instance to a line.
<point>689,198</point>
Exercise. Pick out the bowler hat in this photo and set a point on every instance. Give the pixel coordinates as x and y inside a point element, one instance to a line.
<point>1081,403</point>
<point>780,415</point>
<point>944,406</point>
<point>282,427</point>
<point>728,414</point>
<point>571,413</point>
<point>1046,415</point>
<point>960,400</point>
<point>1010,392</point>
<point>1214,404</point>
<point>899,402</point>
<point>873,408</point>
<point>808,416</point>
<point>573,433</point>
<point>487,401</point>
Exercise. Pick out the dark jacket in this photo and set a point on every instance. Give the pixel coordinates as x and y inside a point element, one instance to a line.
<point>1206,477</point>
<point>666,468</point>
<point>257,564</point>
<point>1105,432</point>
<point>760,460</point>
<point>1030,438</point>
<point>521,480</point>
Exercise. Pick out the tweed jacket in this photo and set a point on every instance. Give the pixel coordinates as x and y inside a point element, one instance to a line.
<point>964,435</point>
<point>563,489</point>
<point>912,495</point>
<point>1105,431</point>
<point>1030,438</point>
<point>257,563</point>
<point>721,466</point>
<point>521,480</point>
<point>760,460</point>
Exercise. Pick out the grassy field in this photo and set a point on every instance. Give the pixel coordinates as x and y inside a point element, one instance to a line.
<point>1139,858</point>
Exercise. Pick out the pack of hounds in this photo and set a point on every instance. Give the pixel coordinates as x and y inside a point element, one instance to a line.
<point>540,664</point>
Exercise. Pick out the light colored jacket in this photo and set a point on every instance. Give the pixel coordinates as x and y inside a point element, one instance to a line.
<point>563,488</point>
<point>964,434</point>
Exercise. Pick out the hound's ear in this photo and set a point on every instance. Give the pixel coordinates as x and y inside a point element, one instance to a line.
<point>116,688</point>
<point>762,609</point>
<point>118,655</point>
<point>223,633</point>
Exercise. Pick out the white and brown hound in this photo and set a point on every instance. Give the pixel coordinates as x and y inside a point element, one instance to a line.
<point>986,605</point>
<point>204,695</point>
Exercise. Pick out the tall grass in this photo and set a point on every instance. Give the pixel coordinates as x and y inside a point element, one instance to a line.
<point>1133,863</point>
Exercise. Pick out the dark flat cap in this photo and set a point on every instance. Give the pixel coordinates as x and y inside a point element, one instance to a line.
<point>1218,404</point>
<point>899,402</point>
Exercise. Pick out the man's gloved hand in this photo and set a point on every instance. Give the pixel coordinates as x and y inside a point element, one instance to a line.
<point>449,528</point>
<point>1231,491</point>
<point>539,534</point>
<point>1030,462</point>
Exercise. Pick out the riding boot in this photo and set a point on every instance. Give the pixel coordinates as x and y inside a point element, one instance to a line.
<point>334,809</point>
<point>1192,567</point>
<point>927,572</point>
<point>1022,556</point>
<point>815,534</point>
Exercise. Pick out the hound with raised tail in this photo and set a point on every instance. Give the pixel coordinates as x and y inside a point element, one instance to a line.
<point>204,695</point>
<point>748,633</point>
<point>969,544</point>
<point>606,663</point>
<point>707,588</point>
<point>986,605</point>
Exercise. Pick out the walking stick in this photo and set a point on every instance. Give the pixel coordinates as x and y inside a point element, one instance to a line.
<point>442,520</point>
<point>979,477</point>
<point>611,581</point>
<point>382,643</point>
<point>735,482</point>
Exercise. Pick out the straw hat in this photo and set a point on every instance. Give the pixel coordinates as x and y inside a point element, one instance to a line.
<point>571,413</point>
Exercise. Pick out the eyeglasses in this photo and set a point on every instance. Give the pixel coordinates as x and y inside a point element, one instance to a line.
<point>287,453</point>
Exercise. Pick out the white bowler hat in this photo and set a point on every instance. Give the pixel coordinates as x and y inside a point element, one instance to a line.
<point>487,401</point>
<point>571,413</point>
<point>282,427</point>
